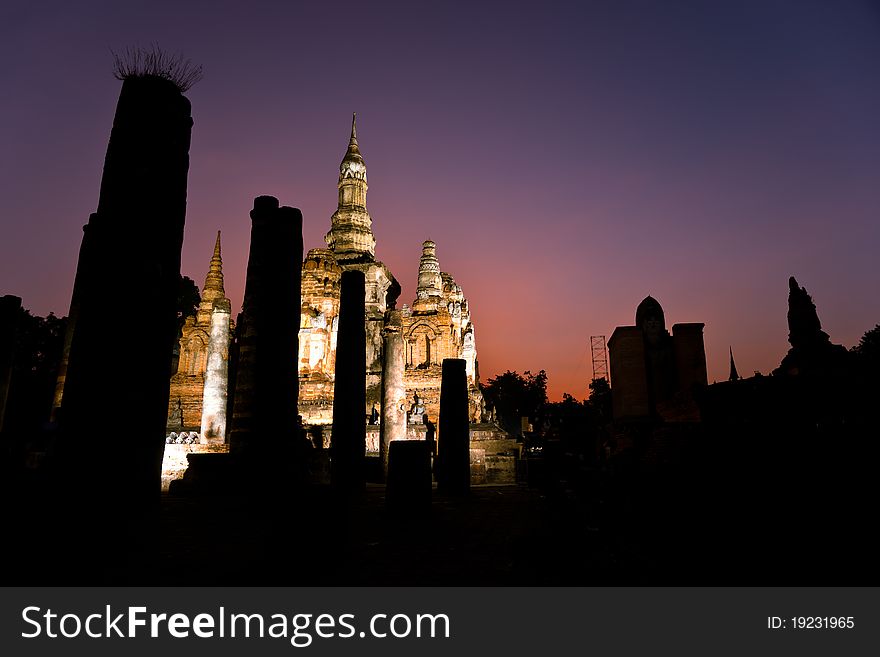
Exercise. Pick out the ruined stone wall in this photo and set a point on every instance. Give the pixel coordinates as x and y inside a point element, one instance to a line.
<point>653,373</point>
<point>438,326</point>
<point>317,336</point>
<point>426,383</point>
<point>188,383</point>
<point>318,331</point>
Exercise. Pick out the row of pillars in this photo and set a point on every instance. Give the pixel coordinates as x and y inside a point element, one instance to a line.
<point>264,421</point>
<point>406,464</point>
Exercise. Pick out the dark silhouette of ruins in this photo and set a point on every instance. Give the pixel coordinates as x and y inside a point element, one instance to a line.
<point>347,449</point>
<point>453,449</point>
<point>106,497</point>
<point>762,480</point>
<point>9,310</point>
<point>264,413</point>
<point>811,349</point>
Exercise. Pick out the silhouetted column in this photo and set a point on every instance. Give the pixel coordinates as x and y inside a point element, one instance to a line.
<point>690,355</point>
<point>266,386</point>
<point>453,451</point>
<point>409,477</point>
<point>10,308</point>
<point>393,423</point>
<point>117,380</point>
<point>215,393</point>
<point>629,377</point>
<point>348,442</point>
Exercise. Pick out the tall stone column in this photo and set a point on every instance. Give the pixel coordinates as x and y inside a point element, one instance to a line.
<point>10,308</point>
<point>214,397</point>
<point>348,446</point>
<point>393,422</point>
<point>117,380</point>
<point>264,421</point>
<point>453,449</point>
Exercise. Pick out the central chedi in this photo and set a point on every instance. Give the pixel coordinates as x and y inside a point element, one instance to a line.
<point>437,326</point>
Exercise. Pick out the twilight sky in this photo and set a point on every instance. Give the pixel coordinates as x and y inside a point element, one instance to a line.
<point>568,158</point>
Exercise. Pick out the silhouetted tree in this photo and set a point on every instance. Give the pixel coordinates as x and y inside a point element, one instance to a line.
<point>600,398</point>
<point>564,419</point>
<point>868,348</point>
<point>188,298</point>
<point>515,396</point>
<point>38,346</point>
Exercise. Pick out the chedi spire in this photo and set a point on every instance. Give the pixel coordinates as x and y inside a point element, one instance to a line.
<point>353,150</point>
<point>213,289</point>
<point>734,375</point>
<point>351,232</point>
<point>214,279</point>
<point>430,287</point>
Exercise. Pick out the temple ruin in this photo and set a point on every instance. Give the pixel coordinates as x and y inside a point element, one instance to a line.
<point>436,326</point>
<point>653,373</point>
<point>404,353</point>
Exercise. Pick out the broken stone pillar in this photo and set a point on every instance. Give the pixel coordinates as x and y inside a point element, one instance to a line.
<point>393,422</point>
<point>690,355</point>
<point>264,419</point>
<point>117,381</point>
<point>453,450</point>
<point>629,377</point>
<point>409,477</point>
<point>10,308</point>
<point>215,394</point>
<point>348,442</point>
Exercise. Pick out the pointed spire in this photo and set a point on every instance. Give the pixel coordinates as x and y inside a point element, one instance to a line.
<point>353,150</point>
<point>216,255</point>
<point>351,234</point>
<point>214,280</point>
<point>734,375</point>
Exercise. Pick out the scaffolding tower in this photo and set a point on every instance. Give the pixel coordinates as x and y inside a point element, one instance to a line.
<point>600,357</point>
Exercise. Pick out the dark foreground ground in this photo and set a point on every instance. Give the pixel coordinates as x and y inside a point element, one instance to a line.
<point>742,525</point>
<point>498,535</point>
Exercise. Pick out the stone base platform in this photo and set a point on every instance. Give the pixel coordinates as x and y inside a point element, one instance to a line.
<point>174,463</point>
<point>493,455</point>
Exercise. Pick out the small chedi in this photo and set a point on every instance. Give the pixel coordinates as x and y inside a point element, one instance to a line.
<point>198,391</point>
<point>194,384</point>
<point>653,373</point>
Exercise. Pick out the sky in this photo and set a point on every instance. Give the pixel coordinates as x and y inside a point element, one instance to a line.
<point>568,158</point>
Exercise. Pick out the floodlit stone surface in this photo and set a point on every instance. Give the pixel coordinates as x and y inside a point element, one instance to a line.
<point>394,406</point>
<point>216,393</point>
<point>436,326</point>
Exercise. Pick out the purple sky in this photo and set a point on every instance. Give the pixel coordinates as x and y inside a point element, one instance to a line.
<point>568,159</point>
